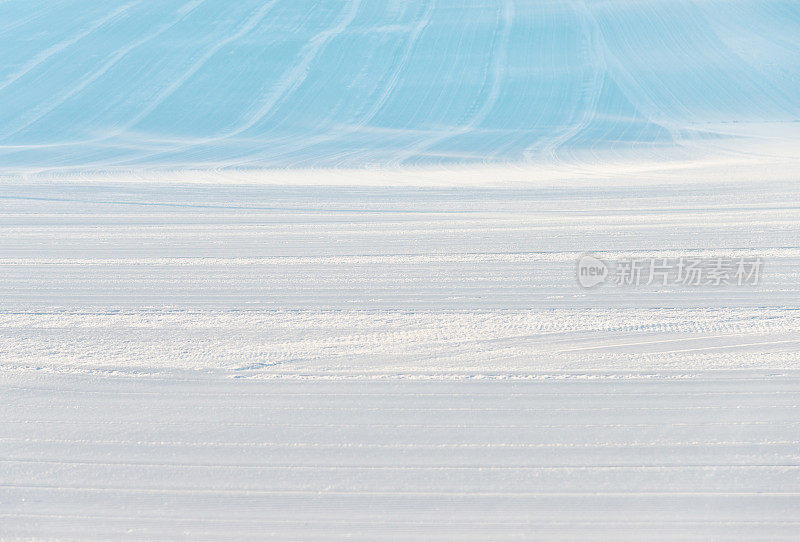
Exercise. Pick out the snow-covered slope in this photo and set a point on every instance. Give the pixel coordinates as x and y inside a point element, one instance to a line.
<point>215,362</point>
<point>195,343</point>
<point>207,84</point>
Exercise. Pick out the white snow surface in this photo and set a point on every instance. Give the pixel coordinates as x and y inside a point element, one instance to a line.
<point>303,270</point>
<point>207,361</point>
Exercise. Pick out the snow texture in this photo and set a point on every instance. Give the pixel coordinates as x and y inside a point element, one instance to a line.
<point>161,85</point>
<point>242,361</point>
<point>303,270</point>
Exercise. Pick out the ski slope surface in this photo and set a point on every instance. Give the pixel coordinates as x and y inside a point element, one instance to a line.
<point>170,84</point>
<point>305,270</point>
<point>263,362</point>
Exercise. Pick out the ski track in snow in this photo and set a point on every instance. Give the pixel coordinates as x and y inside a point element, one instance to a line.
<point>349,84</point>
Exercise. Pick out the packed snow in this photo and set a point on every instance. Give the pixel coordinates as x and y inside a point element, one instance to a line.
<point>306,270</point>
<point>172,84</point>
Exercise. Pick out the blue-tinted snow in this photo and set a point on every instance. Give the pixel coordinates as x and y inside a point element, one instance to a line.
<point>332,83</point>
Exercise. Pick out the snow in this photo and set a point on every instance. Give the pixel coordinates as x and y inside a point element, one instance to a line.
<point>206,361</point>
<point>307,270</point>
<point>157,86</point>
<point>196,457</point>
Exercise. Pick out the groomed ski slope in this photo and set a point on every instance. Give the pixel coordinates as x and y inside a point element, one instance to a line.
<point>253,362</point>
<point>115,87</point>
<point>303,270</point>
